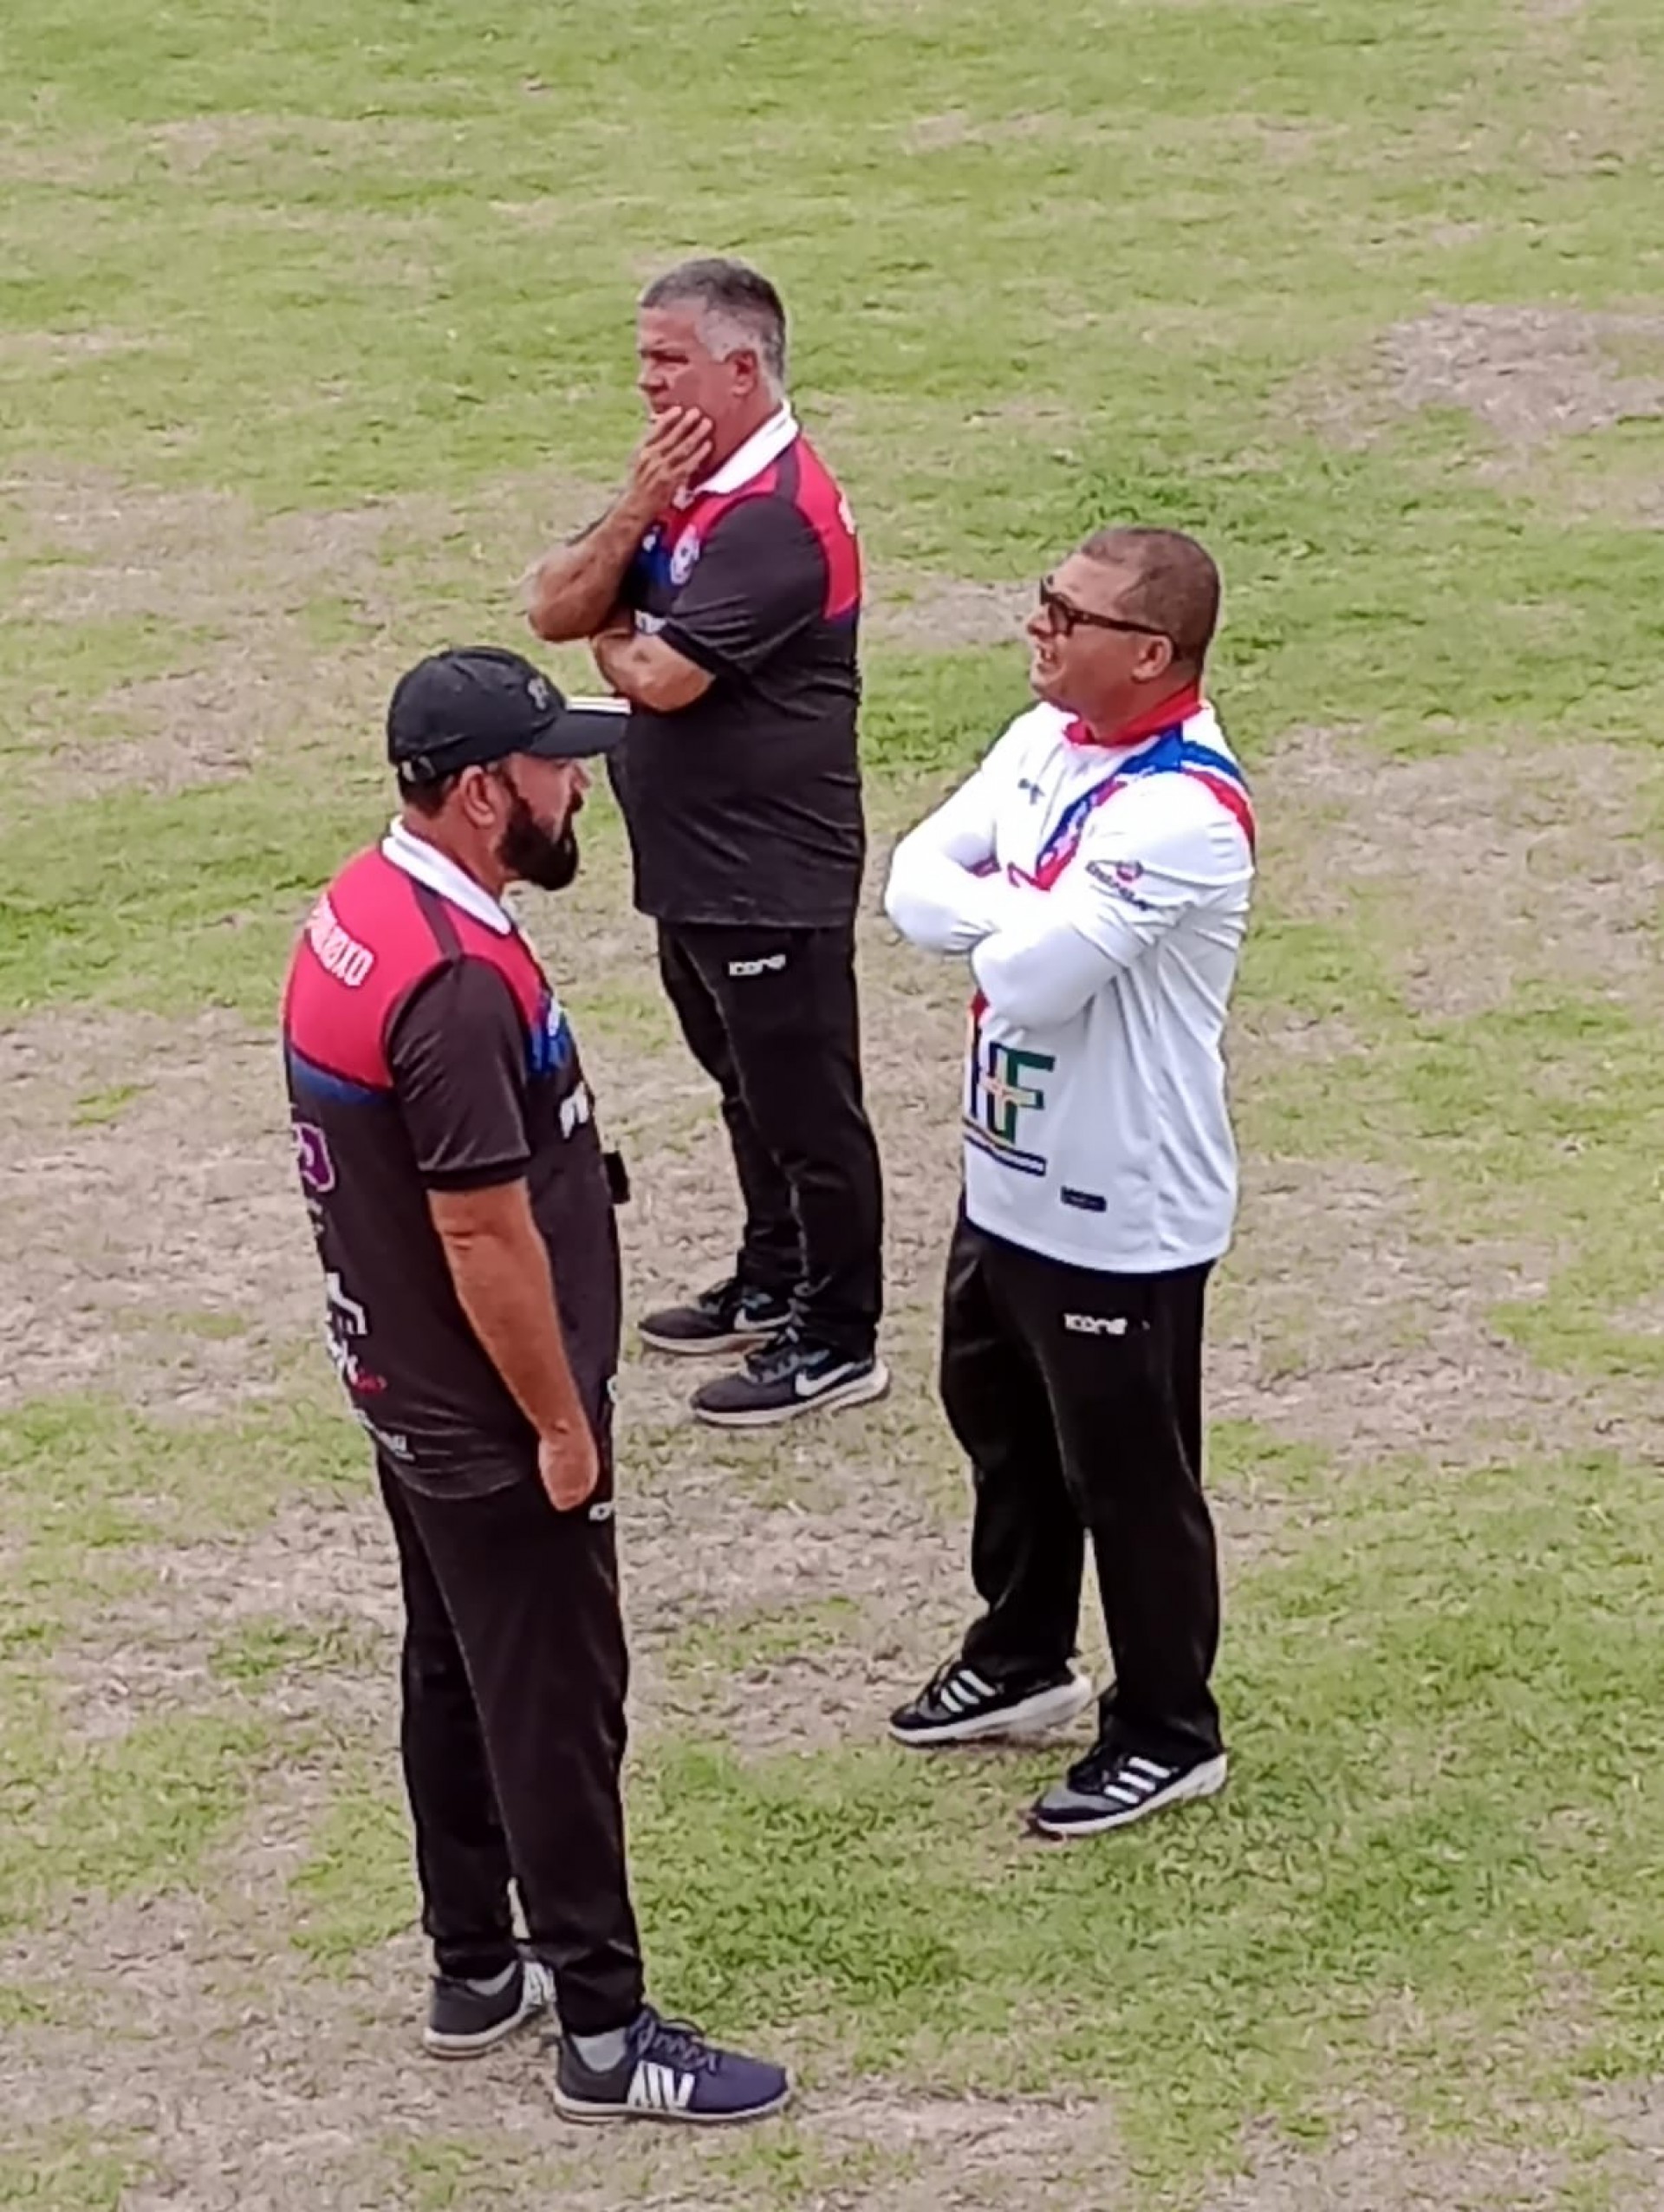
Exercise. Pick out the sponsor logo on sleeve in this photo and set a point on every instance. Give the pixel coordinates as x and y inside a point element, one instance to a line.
<point>312,1157</point>
<point>338,953</point>
<point>1121,878</point>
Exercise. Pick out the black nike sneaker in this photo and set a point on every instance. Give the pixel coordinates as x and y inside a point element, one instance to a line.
<point>729,1316</point>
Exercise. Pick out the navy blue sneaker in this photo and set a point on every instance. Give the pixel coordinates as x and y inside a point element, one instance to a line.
<point>789,1378</point>
<point>669,2071</point>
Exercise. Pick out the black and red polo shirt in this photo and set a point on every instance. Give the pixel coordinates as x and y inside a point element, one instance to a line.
<point>746,806</point>
<point>425,1050</point>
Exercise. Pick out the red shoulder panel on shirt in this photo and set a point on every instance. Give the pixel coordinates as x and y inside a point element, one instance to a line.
<point>801,477</point>
<point>821,502</point>
<point>364,947</point>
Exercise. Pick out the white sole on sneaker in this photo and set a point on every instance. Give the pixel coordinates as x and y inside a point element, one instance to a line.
<point>1204,1781</point>
<point>859,1390</point>
<point>571,2108</point>
<point>1033,1716</point>
<point>737,1340</point>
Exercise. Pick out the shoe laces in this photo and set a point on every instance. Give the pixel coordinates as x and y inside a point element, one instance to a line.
<point>941,1678</point>
<point>1091,1773</point>
<point>781,1356</point>
<point>1100,1767</point>
<point>677,2043</point>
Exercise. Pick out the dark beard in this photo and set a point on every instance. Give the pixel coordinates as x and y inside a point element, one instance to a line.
<point>532,856</point>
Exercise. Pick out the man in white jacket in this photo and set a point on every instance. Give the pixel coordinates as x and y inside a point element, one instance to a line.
<point>1095,870</point>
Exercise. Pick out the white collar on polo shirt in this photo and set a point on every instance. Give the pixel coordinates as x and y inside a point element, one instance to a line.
<point>428,865</point>
<point>749,459</point>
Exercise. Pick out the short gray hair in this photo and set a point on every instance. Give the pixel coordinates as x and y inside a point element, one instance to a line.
<point>738,307</point>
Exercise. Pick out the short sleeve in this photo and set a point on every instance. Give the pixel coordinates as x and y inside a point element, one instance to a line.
<point>457,1053</point>
<point>635,587</point>
<point>761,578</point>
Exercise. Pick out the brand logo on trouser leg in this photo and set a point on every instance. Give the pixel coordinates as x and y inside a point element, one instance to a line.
<point>770,964</point>
<point>1096,1324</point>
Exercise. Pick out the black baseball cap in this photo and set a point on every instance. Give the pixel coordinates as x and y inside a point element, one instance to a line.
<point>474,704</point>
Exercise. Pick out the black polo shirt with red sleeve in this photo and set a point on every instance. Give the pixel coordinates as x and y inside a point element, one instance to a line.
<point>745,807</point>
<point>425,1051</point>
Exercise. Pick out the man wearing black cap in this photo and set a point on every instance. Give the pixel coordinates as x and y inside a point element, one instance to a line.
<point>463,1209</point>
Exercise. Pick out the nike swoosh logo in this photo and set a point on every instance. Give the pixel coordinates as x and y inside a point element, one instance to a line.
<point>810,1386</point>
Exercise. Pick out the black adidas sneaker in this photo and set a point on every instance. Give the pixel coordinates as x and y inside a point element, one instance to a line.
<point>959,1705</point>
<point>1112,1788</point>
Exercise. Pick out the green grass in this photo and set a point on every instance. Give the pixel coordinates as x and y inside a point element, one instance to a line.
<point>1047,267</point>
<point>354,1889</point>
<point>140,1817</point>
<point>1541,1123</point>
<point>1447,1745</point>
<point>260,1653</point>
<point>90,1474</point>
<point>23,2009</point>
<point>743,1642</point>
<point>107,1104</point>
<point>69,2170</point>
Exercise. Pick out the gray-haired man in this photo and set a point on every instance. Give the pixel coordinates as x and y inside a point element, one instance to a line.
<point>721,594</point>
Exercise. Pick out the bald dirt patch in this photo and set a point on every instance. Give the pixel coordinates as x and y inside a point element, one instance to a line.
<point>156,1247</point>
<point>1485,868</point>
<point>298,621</point>
<point>1528,373</point>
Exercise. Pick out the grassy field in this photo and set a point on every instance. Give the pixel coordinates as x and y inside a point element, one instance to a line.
<point>314,322</point>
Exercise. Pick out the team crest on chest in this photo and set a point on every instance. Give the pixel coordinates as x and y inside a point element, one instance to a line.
<point>684,554</point>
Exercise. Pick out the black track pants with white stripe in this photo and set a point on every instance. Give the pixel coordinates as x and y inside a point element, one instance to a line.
<point>1078,1396</point>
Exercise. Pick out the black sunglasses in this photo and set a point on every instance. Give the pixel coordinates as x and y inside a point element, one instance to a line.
<point>1065,617</point>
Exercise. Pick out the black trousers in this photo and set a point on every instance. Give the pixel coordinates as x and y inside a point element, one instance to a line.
<point>772,1016</point>
<point>1078,1396</point>
<point>514,1674</point>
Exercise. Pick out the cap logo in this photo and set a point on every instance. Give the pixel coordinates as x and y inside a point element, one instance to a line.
<point>537,691</point>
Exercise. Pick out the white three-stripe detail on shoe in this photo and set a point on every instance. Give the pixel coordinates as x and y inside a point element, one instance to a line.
<point>962,1692</point>
<point>655,2088</point>
<point>1140,1778</point>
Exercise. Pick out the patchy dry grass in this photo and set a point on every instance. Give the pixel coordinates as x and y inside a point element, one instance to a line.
<point>331,392</point>
<point>1528,374</point>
